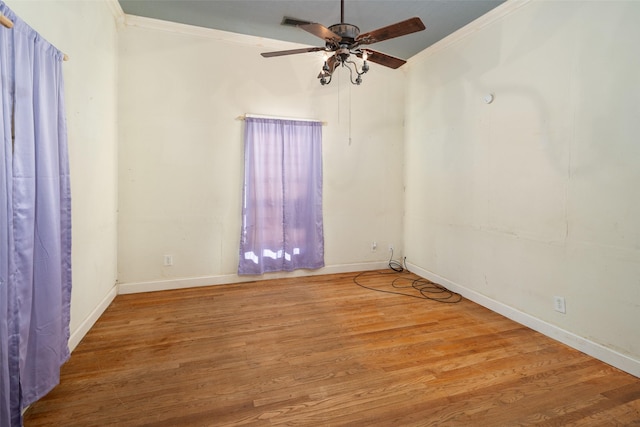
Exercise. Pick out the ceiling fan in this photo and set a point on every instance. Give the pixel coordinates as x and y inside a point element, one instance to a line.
<point>343,40</point>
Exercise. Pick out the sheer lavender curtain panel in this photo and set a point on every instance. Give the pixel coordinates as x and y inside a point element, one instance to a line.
<point>35,220</point>
<point>282,227</point>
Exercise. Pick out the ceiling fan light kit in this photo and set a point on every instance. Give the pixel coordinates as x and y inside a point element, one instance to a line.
<point>343,41</point>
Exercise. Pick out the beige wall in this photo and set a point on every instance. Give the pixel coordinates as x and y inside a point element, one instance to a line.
<point>86,31</point>
<point>181,90</point>
<point>534,195</point>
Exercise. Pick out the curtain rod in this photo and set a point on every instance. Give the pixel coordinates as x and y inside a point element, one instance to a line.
<point>259,116</point>
<point>7,23</point>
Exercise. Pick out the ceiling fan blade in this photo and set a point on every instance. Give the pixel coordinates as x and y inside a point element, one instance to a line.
<point>383,59</point>
<point>398,29</point>
<point>292,51</point>
<point>294,22</point>
<point>321,31</point>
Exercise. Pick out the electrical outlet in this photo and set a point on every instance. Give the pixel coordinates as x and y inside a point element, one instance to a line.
<point>390,247</point>
<point>559,304</point>
<point>168,260</point>
<point>374,246</point>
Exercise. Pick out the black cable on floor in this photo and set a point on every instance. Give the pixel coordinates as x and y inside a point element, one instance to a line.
<point>395,265</point>
<point>426,289</point>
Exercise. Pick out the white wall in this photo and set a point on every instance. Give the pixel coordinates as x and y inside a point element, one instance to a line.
<point>534,195</point>
<point>181,90</point>
<point>87,33</point>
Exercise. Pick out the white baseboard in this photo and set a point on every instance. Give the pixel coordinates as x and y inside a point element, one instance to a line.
<point>93,317</point>
<point>191,282</point>
<point>598,351</point>
<point>226,279</point>
<point>577,342</point>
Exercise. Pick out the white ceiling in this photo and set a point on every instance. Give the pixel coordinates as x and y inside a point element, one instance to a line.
<point>263,18</point>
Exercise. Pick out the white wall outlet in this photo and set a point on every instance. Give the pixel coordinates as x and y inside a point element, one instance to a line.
<point>168,260</point>
<point>374,246</point>
<point>390,247</point>
<point>559,304</point>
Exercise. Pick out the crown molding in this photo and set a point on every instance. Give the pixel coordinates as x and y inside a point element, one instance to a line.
<point>116,10</point>
<point>208,33</point>
<point>471,28</point>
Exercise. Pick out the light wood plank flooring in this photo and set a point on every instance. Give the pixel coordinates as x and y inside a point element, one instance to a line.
<point>322,351</point>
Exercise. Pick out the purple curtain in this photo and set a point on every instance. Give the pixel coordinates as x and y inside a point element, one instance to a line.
<point>282,199</point>
<point>35,220</point>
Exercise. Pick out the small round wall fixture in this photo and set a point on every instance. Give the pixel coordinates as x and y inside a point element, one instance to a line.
<point>488,99</point>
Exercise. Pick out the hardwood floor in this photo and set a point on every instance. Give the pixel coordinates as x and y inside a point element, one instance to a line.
<point>322,351</point>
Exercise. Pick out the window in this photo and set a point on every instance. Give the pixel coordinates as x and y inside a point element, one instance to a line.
<point>282,227</point>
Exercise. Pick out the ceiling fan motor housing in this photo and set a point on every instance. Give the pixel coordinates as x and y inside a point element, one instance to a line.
<point>348,32</point>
